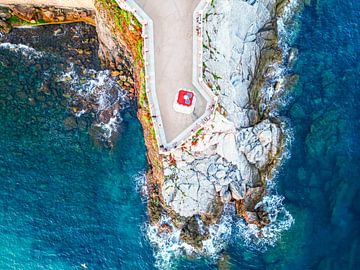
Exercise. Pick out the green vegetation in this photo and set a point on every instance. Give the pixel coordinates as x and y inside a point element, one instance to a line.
<point>199,131</point>
<point>215,76</point>
<point>143,101</point>
<point>123,17</point>
<point>15,20</point>
<point>139,50</point>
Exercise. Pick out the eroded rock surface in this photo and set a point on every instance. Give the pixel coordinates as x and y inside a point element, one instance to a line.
<point>235,151</point>
<point>228,159</point>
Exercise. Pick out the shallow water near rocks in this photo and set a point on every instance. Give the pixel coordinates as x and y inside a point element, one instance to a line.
<point>65,200</point>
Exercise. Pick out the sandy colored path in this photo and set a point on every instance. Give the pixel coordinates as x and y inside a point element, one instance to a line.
<point>173,35</point>
<point>88,4</point>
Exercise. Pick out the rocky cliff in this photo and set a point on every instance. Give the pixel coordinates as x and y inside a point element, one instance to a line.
<point>242,54</point>
<point>18,14</point>
<point>121,46</point>
<point>228,160</point>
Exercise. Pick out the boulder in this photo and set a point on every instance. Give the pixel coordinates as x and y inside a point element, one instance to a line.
<point>260,144</point>
<point>5,27</point>
<point>212,169</point>
<point>237,190</point>
<point>227,148</point>
<point>189,193</point>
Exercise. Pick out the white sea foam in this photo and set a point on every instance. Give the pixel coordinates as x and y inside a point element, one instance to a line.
<point>280,220</point>
<point>140,185</point>
<point>102,89</point>
<point>220,234</point>
<point>25,50</point>
<point>168,244</point>
<point>288,24</point>
<point>287,31</point>
<point>111,126</point>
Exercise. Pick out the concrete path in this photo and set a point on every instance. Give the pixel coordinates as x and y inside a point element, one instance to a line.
<point>173,36</point>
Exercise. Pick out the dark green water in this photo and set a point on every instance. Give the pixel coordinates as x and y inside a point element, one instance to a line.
<point>65,200</point>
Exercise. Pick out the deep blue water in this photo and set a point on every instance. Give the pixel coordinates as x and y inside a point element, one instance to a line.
<point>64,200</point>
<point>321,180</point>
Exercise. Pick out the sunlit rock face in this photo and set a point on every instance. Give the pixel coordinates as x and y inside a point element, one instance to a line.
<point>230,156</point>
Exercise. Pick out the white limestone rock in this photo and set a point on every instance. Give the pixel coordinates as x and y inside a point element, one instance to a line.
<point>227,148</point>
<point>189,194</point>
<point>231,150</point>
<point>212,169</point>
<point>168,172</point>
<point>237,191</point>
<point>226,197</point>
<point>220,174</point>
<point>260,144</point>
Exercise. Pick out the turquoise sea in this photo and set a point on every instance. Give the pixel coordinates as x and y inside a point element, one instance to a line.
<point>67,198</point>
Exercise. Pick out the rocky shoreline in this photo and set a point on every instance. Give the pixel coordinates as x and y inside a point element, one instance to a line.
<point>230,158</point>
<point>19,15</point>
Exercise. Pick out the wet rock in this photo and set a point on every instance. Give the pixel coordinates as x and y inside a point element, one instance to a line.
<point>106,115</point>
<point>5,27</point>
<point>252,197</point>
<point>251,217</point>
<point>70,123</point>
<point>5,13</point>
<point>165,228</point>
<point>193,234</point>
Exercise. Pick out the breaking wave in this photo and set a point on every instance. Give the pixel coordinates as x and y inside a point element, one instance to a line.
<point>277,80</point>
<point>280,218</point>
<point>96,91</point>
<point>262,238</point>
<point>169,245</point>
<point>140,185</point>
<point>28,52</point>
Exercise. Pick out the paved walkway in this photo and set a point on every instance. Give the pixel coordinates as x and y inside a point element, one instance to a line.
<point>173,41</point>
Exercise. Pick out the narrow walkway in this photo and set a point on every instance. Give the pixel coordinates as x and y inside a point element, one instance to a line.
<point>173,38</point>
